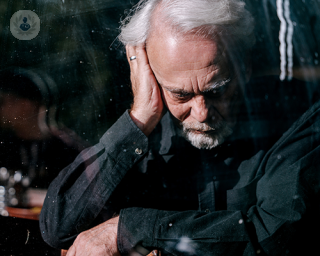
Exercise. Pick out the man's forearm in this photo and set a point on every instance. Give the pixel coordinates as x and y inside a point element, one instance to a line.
<point>193,232</point>
<point>81,190</point>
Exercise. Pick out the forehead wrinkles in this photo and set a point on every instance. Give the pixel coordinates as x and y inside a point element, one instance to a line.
<point>183,53</point>
<point>190,79</point>
<point>183,61</point>
<point>202,73</point>
<point>191,57</point>
<point>191,84</point>
<point>185,58</point>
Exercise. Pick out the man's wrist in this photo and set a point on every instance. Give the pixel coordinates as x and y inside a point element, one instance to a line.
<point>144,122</point>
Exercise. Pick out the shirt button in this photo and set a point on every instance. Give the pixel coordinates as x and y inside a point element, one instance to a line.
<point>138,151</point>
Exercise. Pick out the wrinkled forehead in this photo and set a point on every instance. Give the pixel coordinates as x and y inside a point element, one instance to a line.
<point>172,41</point>
<point>174,55</point>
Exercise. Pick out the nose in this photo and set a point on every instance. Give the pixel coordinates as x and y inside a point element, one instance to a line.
<point>200,109</point>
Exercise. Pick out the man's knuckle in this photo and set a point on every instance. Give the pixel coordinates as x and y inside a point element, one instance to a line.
<point>82,236</point>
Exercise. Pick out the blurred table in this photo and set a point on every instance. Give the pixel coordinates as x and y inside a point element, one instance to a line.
<point>36,198</point>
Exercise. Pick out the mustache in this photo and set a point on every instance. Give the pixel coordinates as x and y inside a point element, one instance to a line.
<point>204,127</point>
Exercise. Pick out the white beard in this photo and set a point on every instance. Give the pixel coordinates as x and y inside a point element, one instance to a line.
<point>205,141</point>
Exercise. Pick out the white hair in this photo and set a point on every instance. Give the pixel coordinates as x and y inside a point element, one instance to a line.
<point>205,141</point>
<point>227,18</point>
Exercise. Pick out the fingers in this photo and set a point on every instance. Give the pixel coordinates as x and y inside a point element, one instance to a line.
<point>130,51</point>
<point>138,66</point>
<point>147,103</point>
<point>142,54</point>
<point>71,251</point>
<point>64,252</point>
<point>138,51</point>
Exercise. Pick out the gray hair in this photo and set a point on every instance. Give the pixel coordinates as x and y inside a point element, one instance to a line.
<point>227,18</point>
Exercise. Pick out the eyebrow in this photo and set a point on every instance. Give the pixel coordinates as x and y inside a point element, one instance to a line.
<point>212,87</point>
<point>218,84</point>
<point>175,90</point>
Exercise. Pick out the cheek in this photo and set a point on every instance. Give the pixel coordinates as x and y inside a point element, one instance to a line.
<point>177,109</point>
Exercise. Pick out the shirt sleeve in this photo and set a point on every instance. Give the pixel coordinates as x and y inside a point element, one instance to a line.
<point>83,188</point>
<point>279,223</point>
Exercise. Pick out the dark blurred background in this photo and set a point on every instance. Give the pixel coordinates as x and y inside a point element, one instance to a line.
<point>86,76</point>
<point>77,47</point>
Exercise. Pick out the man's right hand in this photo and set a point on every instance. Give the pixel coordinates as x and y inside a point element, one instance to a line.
<point>147,109</point>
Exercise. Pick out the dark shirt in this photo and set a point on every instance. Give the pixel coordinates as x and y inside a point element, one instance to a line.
<point>240,198</point>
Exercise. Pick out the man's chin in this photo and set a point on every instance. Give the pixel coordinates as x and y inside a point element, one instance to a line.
<point>207,140</point>
<point>202,141</point>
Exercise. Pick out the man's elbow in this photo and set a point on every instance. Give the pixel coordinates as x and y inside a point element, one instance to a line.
<point>54,236</point>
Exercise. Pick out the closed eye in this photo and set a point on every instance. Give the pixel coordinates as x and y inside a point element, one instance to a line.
<point>182,96</point>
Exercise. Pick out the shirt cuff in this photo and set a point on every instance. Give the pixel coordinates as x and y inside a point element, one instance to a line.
<point>190,232</point>
<point>136,229</point>
<point>126,143</point>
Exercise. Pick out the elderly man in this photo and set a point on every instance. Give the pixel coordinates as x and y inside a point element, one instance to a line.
<point>182,167</point>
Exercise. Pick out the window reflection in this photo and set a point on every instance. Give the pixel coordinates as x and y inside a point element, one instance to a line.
<point>60,92</point>
<point>33,147</point>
